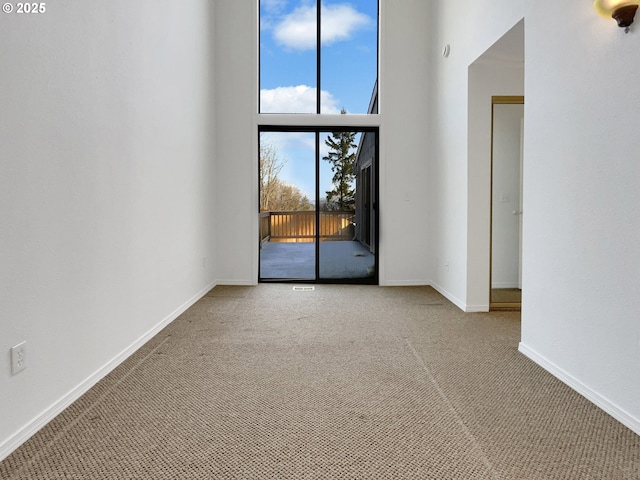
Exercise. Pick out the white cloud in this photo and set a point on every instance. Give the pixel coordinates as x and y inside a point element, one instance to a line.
<point>273,5</point>
<point>296,99</point>
<point>339,22</point>
<point>270,12</point>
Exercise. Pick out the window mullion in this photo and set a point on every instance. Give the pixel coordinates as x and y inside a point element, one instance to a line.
<point>318,54</point>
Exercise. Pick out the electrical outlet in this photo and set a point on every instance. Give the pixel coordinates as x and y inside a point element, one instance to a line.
<point>18,358</point>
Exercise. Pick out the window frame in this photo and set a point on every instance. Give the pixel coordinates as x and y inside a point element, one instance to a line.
<point>318,86</point>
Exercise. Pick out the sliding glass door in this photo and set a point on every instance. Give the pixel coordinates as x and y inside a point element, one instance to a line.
<point>318,221</point>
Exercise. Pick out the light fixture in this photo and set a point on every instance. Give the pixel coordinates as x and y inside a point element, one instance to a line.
<point>623,11</point>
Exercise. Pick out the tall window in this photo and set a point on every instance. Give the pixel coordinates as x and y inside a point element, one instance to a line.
<point>318,56</point>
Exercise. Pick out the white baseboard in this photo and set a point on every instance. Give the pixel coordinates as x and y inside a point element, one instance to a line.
<point>459,303</point>
<point>449,296</point>
<point>476,308</point>
<point>605,404</point>
<point>31,428</point>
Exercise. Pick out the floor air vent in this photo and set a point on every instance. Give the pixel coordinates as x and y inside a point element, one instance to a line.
<point>304,289</point>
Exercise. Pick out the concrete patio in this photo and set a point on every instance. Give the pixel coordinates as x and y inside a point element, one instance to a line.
<point>296,261</point>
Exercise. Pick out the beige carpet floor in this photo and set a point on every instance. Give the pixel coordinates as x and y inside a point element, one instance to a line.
<point>343,382</point>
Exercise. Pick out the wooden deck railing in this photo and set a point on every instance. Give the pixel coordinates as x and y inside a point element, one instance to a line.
<point>300,226</point>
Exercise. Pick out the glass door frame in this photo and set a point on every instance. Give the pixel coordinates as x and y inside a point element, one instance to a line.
<point>317,130</point>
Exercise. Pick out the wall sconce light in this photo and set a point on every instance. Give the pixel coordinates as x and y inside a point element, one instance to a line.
<point>622,11</point>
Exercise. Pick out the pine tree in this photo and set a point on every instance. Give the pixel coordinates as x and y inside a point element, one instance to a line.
<point>342,157</point>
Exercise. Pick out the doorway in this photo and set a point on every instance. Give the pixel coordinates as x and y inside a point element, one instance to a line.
<point>507,127</point>
<point>318,191</point>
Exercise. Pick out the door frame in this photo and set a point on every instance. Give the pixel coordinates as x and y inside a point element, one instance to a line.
<point>505,100</point>
<point>374,213</point>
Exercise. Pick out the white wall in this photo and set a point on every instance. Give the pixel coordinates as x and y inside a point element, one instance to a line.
<point>403,121</point>
<point>236,149</point>
<point>106,190</point>
<point>404,143</point>
<point>480,65</point>
<point>581,263</point>
<point>498,71</point>
<point>581,273</point>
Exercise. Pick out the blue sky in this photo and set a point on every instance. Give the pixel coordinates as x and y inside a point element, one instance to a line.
<point>288,71</point>
<point>288,55</point>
